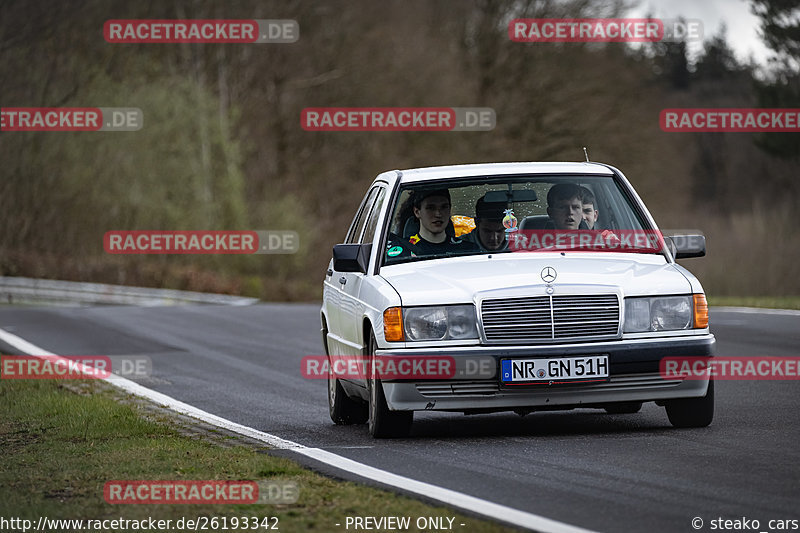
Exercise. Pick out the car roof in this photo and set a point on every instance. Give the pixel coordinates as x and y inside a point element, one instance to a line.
<point>415,175</point>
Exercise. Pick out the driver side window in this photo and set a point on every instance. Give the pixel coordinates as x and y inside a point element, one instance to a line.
<point>361,218</point>
<point>369,231</point>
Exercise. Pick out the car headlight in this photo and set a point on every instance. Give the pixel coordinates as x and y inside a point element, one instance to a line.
<point>434,323</point>
<point>668,313</point>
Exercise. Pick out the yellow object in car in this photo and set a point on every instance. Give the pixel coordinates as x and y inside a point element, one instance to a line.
<point>462,224</point>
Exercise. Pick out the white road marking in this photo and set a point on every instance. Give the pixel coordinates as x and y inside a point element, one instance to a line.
<point>459,500</point>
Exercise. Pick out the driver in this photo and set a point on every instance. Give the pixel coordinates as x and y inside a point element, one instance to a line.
<point>432,208</point>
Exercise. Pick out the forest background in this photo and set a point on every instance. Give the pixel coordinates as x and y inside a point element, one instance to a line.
<point>222,147</point>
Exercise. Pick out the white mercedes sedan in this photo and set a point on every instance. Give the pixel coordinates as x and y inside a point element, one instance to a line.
<point>511,287</point>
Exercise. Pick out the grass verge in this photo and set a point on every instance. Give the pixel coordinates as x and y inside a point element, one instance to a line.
<point>59,448</point>
<point>773,302</point>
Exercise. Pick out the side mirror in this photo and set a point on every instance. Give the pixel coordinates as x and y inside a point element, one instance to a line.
<point>686,246</point>
<point>351,257</point>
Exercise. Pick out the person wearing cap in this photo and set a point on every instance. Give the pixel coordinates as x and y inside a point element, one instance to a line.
<point>432,208</point>
<point>489,233</point>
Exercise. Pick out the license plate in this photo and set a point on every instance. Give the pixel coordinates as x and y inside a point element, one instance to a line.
<point>559,370</point>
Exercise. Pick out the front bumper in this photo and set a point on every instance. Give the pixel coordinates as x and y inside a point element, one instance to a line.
<point>633,369</point>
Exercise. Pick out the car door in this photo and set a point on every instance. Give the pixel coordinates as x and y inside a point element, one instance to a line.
<point>335,282</point>
<point>353,304</point>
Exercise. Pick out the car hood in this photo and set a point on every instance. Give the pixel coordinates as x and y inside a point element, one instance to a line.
<point>468,279</point>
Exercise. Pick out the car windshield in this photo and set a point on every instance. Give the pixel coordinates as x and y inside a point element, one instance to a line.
<point>480,215</point>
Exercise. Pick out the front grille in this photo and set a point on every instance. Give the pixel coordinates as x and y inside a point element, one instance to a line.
<point>444,389</point>
<point>491,387</point>
<point>546,318</point>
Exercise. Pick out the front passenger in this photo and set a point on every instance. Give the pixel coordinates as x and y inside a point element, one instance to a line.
<point>432,208</point>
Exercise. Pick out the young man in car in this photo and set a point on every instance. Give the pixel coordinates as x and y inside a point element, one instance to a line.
<point>565,207</point>
<point>432,209</point>
<point>590,212</point>
<point>489,233</point>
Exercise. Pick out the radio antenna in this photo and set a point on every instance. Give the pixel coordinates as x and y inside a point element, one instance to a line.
<point>585,153</point>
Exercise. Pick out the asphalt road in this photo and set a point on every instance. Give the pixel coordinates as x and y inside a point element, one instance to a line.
<point>583,467</point>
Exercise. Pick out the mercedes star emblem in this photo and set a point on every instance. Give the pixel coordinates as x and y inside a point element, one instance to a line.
<point>549,274</point>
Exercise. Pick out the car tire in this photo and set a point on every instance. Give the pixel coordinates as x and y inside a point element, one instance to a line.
<point>384,423</point>
<point>623,408</point>
<point>343,409</point>
<point>692,412</point>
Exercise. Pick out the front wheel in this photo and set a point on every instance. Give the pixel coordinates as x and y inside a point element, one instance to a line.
<point>384,423</point>
<point>343,409</point>
<point>692,412</point>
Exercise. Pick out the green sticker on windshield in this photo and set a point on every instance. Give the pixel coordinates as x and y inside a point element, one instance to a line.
<point>396,250</point>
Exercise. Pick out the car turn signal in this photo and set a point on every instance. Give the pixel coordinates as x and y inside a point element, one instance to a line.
<point>393,324</point>
<point>700,311</point>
